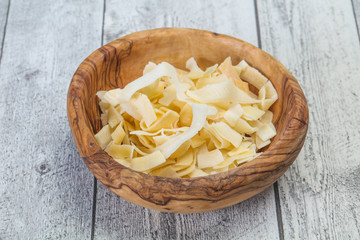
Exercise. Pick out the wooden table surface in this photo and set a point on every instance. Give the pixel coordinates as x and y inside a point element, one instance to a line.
<point>46,192</point>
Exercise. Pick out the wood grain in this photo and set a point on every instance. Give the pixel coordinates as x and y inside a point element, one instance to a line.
<point>233,17</point>
<point>319,194</point>
<point>45,189</point>
<point>121,61</point>
<point>35,206</point>
<point>251,219</point>
<point>116,217</point>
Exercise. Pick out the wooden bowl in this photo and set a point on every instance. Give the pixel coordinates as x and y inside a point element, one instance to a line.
<point>121,61</point>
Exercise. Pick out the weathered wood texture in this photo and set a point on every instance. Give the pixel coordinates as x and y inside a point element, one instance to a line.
<point>119,219</point>
<point>4,7</point>
<point>356,9</point>
<point>45,189</point>
<point>318,42</point>
<point>116,217</point>
<point>235,18</point>
<point>319,194</point>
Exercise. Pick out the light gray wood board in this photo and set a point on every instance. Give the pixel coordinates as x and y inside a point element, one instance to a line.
<point>119,219</point>
<point>255,218</point>
<point>318,42</point>
<point>356,8</point>
<point>4,4</point>
<point>46,192</point>
<point>232,17</point>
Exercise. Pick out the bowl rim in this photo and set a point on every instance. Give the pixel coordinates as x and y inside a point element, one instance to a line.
<point>297,119</point>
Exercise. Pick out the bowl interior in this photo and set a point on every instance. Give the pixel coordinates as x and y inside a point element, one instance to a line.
<point>125,60</point>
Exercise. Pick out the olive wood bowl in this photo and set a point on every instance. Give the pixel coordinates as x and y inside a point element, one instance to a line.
<point>122,61</point>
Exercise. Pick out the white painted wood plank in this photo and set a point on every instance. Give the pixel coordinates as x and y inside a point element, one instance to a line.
<point>45,188</point>
<point>254,218</point>
<point>318,42</point>
<point>4,4</point>
<point>116,218</point>
<point>235,18</point>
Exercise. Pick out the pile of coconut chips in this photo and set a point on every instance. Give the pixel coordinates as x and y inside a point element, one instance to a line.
<point>176,123</point>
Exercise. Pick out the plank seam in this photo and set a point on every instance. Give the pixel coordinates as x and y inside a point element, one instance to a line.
<point>278,211</point>
<point>93,220</point>
<point>93,216</point>
<point>4,34</point>
<point>356,20</point>
<point>257,24</point>
<point>276,188</point>
<point>103,24</point>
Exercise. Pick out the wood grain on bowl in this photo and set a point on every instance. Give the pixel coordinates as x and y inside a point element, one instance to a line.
<point>121,61</point>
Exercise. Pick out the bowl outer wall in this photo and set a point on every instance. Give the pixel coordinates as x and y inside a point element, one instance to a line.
<point>121,61</point>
